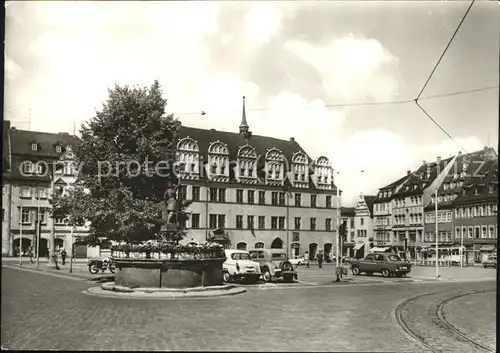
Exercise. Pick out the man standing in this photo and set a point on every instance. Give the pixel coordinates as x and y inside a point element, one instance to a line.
<point>63,256</point>
<point>320,259</point>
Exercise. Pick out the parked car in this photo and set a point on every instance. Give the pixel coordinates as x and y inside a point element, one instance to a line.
<point>385,263</point>
<point>491,261</point>
<point>297,261</point>
<point>238,265</point>
<point>274,264</point>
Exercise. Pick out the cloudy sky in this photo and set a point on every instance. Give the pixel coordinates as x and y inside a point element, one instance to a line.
<point>293,61</point>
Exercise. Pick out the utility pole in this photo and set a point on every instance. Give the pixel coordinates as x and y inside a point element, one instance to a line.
<point>37,229</point>
<point>53,260</point>
<point>437,229</point>
<point>72,250</point>
<point>21,236</point>
<point>288,195</point>
<point>337,251</point>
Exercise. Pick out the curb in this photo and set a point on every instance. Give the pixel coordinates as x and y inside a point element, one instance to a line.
<point>163,293</point>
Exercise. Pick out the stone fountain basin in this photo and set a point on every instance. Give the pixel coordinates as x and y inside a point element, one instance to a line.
<point>172,273</point>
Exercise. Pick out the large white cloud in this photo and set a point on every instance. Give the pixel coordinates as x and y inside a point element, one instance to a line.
<point>263,22</point>
<point>353,68</point>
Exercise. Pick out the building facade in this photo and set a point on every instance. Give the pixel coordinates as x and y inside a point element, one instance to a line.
<point>408,206</point>
<point>475,209</point>
<point>257,191</point>
<point>348,217</point>
<point>40,162</point>
<point>364,224</point>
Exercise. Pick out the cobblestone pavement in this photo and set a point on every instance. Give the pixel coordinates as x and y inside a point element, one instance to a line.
<point>482,327</point>
<point>46,312</point>
<point>421,316</point>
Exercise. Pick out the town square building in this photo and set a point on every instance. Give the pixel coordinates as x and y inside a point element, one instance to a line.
<point>363,222</point>
<point>257,191</point>
<point>28,184</point>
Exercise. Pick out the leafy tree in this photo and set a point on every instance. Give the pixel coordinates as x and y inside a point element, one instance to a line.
<point>126,158</point>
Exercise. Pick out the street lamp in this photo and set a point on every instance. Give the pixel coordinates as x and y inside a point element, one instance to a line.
<point>437,228</point>
<point>338,270</point>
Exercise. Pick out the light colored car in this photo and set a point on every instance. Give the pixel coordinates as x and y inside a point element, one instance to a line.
<point>297,261</point>
<point>274,264</point>
<point>238,265</point>
<point>490,262</point>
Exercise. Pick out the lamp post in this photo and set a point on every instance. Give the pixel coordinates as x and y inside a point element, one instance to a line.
<point>37,228</point>
<point>52,252</point>
<point>72,250</point>
<point>21,236</point>
<point>337,235</point>
<point>437,228</point>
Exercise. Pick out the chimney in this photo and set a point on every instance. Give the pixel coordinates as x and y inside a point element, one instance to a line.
<point>459,153</point>
<point>408,172</point>
<point>213,130</point>
<point>424,163</point>
<point>13,128</point>
<point>438,159</point>
<point>486,148</point>
<point>292,139</point>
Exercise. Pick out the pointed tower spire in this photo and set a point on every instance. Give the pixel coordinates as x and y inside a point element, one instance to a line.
<point>244,128</point>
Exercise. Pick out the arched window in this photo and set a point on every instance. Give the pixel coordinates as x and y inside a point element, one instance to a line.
<point>187,156</point>
<point>275,167</point>
<point>277,244</point>
<point>241,246</point>
<point>218,160</point>
<point>323,173</point>
<point>259,245</point>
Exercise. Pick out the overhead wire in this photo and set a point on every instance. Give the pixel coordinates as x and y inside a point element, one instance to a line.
<point>434,70</point>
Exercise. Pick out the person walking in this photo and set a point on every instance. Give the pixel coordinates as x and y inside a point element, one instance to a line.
<point>30,253</point>
<point>63,256</point>
<point>306,259</point>
<point>320,259</point>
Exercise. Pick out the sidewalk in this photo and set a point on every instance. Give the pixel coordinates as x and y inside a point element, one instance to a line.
<point>26,259</point>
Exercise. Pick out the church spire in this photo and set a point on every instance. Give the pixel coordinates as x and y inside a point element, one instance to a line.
<point>244,128</point>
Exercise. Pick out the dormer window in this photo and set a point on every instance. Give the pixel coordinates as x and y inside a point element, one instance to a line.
<point>58,148</point>
<point>452,185</point>
<point>34,146</point>
<point>491,189</point>
<point>445,186</point>
<point>476,191</point>
<point>455,176</point>
<point>415,187</point>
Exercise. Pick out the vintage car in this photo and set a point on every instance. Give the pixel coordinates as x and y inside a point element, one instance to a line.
<point>385,263</point>
<point>297,261</point>
<point>491,261</point>
<point>274,264</point>
<point>238,265</point>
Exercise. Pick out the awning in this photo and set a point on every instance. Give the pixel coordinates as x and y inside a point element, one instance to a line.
<point>487,248</point>
<point>359,246</point>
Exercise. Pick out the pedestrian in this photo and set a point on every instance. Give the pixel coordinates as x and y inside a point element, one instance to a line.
<point>306,258</point>
<point>63,256</point>
<point>320,259</point>
<point>30,253</point>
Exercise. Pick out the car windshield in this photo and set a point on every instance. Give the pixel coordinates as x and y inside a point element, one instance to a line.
<point>394,258</point>
<point>240,256</point>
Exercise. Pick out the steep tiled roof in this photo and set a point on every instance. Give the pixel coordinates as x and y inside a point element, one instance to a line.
<point>370,200</point>
<point>21,151</point>
<point>477,188</point>
<point>6,148</point>
<point>235,140</point>
<point>387,192</point>
<point>347,212</point>
<point>21,141</point>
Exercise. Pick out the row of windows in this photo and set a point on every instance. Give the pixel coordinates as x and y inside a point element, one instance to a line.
<point>381,207</point>
<point>277,198</point>
<point>36,147</point>
<point>219,221</point>
<point>27,192</point>
<point>37,168</point>
<point>443,217</point>
<point>413,218</point>
<point>483,232</point>
<point>476,211</point>
<point>412,201</point>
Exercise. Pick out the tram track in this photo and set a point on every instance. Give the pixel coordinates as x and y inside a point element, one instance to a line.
<point>440,321</point>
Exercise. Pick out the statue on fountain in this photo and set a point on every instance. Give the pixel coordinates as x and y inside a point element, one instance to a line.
<point>170,207</point>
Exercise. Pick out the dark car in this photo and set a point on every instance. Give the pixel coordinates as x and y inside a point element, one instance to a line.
<point>384,263</point>
<point>491,261</point>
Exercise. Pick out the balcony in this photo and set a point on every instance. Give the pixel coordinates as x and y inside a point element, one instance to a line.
<point>382,227</point>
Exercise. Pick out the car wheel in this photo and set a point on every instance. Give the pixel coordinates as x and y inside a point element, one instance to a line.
<point>355,270</point>
<point>266,275</point>
<point>226,277</point>
<point>287,266</point>
<point>385,272</point>
<point>369,273</point>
